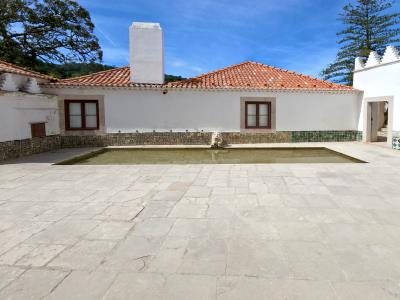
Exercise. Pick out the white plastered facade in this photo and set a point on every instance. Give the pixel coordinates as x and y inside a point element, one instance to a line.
<point>379,79</point>
<point>136,110</point>
<point>23,103</point>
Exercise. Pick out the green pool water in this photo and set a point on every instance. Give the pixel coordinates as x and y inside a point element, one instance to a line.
<point>124,156</point>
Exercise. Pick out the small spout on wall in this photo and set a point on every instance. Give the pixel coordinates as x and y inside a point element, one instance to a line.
<point>217,141</point>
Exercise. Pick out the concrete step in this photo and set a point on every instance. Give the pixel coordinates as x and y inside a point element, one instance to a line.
<point>382,133</point>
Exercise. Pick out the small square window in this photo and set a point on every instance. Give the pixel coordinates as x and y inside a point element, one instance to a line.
<point>38,130</point>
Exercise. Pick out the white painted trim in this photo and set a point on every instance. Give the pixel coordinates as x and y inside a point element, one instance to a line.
<point>23,95</point>
<point>377,66</point>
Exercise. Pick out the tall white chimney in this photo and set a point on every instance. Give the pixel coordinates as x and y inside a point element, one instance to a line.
<point>147,53</point>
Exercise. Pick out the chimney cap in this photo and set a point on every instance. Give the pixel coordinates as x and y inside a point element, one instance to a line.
<point>144,25</point>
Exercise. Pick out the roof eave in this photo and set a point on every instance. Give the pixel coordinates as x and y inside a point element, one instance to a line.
<point>33,75</point>
<point>169,88</point>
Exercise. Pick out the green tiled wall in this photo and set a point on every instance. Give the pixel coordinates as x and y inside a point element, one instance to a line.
<point>325,136</point>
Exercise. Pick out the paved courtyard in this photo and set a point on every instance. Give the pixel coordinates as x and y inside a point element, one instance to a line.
<point>201,231</point>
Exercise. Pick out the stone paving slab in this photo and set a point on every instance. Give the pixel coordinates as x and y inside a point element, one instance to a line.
<point>297,231</point>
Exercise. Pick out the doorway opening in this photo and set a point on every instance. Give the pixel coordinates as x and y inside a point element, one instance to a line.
<point>378,120</point>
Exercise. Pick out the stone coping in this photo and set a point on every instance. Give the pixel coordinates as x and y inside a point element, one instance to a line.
<point>340,147</point>
<point>353,149</point>
<point>159,147</point>
<point>234,146</point>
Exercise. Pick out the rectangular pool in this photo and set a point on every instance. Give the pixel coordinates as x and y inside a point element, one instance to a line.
<point>158,156</point>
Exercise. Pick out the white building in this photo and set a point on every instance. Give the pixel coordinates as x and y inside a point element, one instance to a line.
<point>379,78</point>
<point>248,102</point>
<point>244,98</point>
<point>25,112</point>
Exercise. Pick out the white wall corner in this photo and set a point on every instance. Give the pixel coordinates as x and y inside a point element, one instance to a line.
<point>359,64</point>
<point>8,83</point>
<point>391,55</point>
<point>374,59</point>
<point>146,53</point>
<point>32,86</point>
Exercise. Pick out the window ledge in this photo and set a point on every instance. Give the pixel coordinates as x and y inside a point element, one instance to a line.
<point>260,130</point>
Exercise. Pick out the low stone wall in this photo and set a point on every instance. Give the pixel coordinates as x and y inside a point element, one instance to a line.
<point>325,136</point>
<point>256,138</point>
<point>291,137</point>
<point>132,139</point>
<point>15,149</point>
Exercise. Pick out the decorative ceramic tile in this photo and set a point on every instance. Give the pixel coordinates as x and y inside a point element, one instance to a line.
<point>396,143</point>
<point>325,136</point>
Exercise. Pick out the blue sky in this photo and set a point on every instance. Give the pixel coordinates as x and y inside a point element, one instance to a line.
<point>204,35</point>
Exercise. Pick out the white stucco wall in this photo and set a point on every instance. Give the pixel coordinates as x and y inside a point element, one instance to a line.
<point>381,81</point>
<point>317,111</point>
<point>145,110</point>
<point>19,110</point>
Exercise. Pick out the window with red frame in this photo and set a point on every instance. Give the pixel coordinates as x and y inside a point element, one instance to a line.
<point>82,114</point>
<point>258,115</point>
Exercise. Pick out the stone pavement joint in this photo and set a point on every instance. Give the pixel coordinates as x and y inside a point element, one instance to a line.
<point>266,231</point>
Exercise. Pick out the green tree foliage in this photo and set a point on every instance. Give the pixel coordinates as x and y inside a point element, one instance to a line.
<point>172,78</point>
<point>79,69</point>
<point>369,27</point>
<point>33,32</point>
<point>71,69</point>
<point>54,37</point>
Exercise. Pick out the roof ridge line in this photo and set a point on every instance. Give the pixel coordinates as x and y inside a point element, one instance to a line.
<point>92,74</point>
<point>206,74</point>
<point>23,69</point>
<point>264,65</point>
<point>303,75</point>
<point>222,69</point>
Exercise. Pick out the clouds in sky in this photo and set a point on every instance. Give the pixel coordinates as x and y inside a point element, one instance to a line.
<point>203,35</point>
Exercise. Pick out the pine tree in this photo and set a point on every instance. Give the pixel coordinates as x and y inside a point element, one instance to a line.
<point>368,28</point>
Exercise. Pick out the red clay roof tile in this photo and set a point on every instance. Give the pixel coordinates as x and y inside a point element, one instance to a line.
<point>247,75</point>
<point>6,67</point>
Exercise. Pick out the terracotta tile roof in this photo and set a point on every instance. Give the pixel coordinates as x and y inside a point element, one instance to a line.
<point>6,67</point>
<point>252,75</point>
<point>247,75</point>
<point>119,77</point>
